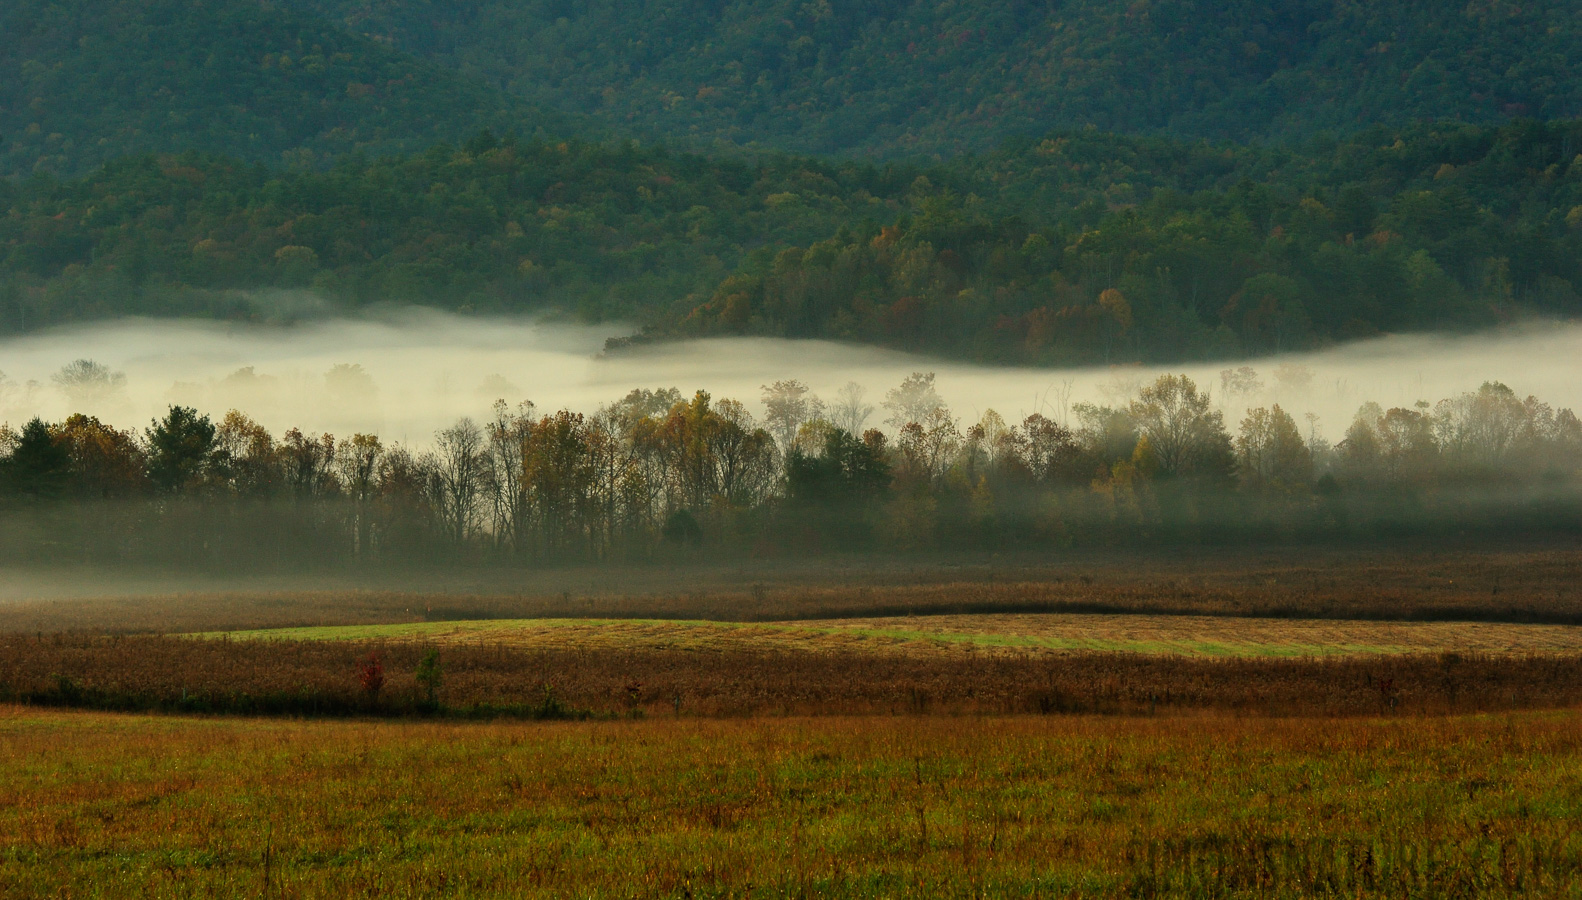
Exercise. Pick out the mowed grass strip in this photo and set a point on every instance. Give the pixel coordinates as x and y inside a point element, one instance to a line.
<point>109,805</point>
<point>1202,636</point>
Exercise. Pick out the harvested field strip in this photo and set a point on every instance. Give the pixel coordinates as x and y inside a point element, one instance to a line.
<point>321,678</point>
<point>965,807</point>
<point>976,634</point>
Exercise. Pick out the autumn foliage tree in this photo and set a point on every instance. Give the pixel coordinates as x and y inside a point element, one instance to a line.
<point>1185,433</point>
<point>1270,452</point>
<point>654,472</point>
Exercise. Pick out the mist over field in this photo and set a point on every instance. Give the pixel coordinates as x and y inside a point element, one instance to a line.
<point>404,375</point>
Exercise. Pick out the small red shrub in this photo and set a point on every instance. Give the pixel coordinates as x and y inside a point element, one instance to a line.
<point>371,674</point>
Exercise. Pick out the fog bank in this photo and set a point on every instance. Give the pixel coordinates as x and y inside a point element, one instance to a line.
<point>421,370</point>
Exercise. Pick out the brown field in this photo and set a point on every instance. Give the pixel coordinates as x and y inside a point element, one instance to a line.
<point>973,635</point>
<point>1440,583</point>
<point>1401,723</point>
<point>99,805</point>
<point>1320,633</point>
<point>320,677</point>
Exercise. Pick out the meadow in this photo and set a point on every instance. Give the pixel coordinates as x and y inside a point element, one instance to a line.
<point>322,678</point>
<point>96,804</point>
<point>1219,725</point>
<point>1005,634</point>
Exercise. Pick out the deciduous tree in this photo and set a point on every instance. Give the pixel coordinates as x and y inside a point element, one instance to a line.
<point>1270,452</point>
<point>1187,435</point>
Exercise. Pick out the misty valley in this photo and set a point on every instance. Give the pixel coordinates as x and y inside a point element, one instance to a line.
<point>657,475</point>
<point>678,449</point>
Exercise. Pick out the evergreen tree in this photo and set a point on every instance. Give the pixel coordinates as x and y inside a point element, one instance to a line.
<point>38,468</point>
<point>179,449</point>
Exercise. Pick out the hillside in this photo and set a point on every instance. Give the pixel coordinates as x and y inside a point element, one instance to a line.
<point>1078,248</point>
<point>348,151</point>
<point>299,82</point>
<point>84,82</point>
<point>1103,249</point>
<point>492,225</point>
<point>905,76</point>
<point>1106,249</point>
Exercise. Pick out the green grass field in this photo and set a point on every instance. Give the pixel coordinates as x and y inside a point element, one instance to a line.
<point>99,805</point>
<point>954,634</point>
<point>831,747</point>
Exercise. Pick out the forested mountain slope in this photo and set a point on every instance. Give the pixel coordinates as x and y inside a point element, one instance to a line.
<point>492,225</point>
<point>1081,247</point>
<point>85,81</point>
<point>904,76</point>
<point>1096,248</point>
<point>302,80</point>
<point>336,148</point>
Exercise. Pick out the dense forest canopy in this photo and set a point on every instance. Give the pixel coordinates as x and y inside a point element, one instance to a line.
<point>500,226</point>
<point>1090,248</point>
<point>1158,180</point>
<point>83,82</point>
<point>1080,247</point>
<point>904,76</point>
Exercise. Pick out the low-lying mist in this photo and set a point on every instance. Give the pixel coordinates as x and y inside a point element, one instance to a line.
<point>403,375</point>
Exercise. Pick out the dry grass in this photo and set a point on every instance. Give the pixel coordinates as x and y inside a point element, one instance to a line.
<point>320,677</point>
<point>976,635</point>
<point>843,733</point>
<point>107,805</point>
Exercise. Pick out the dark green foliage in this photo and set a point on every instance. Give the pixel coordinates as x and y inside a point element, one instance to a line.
<point>500,225</point>
<point>82,82</point>
<point>1090,248</point>
<point>849,471</point>
<point>38,468</point>
<point>1215,250</point>
<point>682,529</point>
<point>905,76</point>
<point>179,448</point>
<point>429,676</point>
<point>831,496</point>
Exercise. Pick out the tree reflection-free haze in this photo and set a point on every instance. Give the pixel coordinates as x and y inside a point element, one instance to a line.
<point>404,376</point>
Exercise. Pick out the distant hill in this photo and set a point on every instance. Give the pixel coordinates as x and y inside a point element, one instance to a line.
<point>1167,178</point>
<point>297,82</point>
<point>907,76</point>
<point>1078,248</point>
<point>1091,248</point>
<point>493,225</point>
<point>84,81</point>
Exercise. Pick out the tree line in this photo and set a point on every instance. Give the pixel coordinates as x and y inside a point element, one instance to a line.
<point>494,225</point>
<point>658,474</point>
